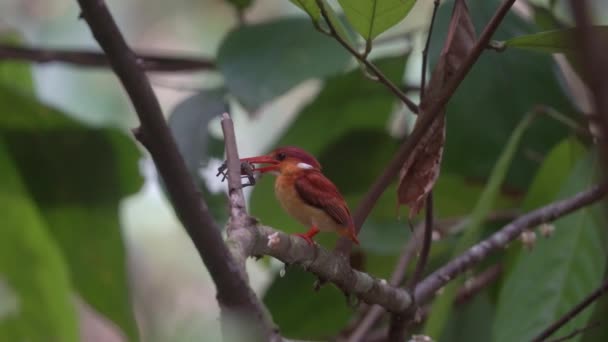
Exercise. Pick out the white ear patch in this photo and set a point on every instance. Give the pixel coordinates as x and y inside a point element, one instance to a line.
<point>305,166</point>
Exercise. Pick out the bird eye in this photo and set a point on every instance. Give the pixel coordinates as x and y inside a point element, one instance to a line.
<point>281,156</point>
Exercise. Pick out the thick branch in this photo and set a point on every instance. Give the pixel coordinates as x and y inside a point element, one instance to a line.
<point>233,293</point>
<point>335,269</point>
<point>329,266</point>
<point>86,58</point>
<point>427,288</point>
<point>425,121</point>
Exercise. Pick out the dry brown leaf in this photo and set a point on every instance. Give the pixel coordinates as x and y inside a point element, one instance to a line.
<point>421,169</point>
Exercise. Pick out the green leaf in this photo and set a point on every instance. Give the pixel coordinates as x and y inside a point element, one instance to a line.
<point>471,322</point>
<point>260,62</point>
<point>77,177</point>
<point>440,310</point>
<point>555,169</point>
<point>36,298</point>
<point>570,265</point>
<point>302,313</point>
<point>555,41</point>
<point>14,74</point>
<point>189,124</point>
<point>310,7</point>
<point>372,17</point>
<point>505,87</point>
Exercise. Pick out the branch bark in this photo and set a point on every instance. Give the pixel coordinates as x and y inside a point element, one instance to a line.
<point>233,293</point>
<point>427,288</point>
<point>89,58</point>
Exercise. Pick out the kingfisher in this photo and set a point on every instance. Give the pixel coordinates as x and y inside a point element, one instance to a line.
<point>305,193</point>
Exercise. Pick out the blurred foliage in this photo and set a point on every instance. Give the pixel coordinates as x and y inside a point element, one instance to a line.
<point>260,62</point>
<point>63,181</point>
<point>74,178</point>
<point>189,124</point>
<point>570,264</point>
<point>32,269</point>
<point>556,41</point>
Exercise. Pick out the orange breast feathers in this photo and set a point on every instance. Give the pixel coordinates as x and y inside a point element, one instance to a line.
<point>315,201</point>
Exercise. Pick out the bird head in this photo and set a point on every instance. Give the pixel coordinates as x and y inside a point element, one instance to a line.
<point>284,160</point>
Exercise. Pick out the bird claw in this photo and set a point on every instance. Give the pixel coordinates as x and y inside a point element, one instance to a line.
<point>307,238</point>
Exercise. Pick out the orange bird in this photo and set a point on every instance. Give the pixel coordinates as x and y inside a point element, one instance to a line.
<point>305,193</point>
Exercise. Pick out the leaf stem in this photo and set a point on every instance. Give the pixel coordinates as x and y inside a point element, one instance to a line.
<point>378,75</point>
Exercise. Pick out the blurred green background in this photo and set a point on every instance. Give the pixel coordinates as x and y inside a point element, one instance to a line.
<point>90,248</point>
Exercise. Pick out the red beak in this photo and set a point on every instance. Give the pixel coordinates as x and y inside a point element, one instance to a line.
<point>263,160</point>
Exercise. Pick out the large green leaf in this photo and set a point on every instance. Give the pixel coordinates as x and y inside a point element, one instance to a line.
<point>569,266</point>
<point>554,41</point>
<point>35,295</point>
<point>441,308</point>
<point>372,17</point>
<point>77,176</point>
<point>493,98</point>
<point>260,62</point>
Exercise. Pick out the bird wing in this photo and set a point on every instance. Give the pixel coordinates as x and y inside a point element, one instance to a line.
<point>319,192</point>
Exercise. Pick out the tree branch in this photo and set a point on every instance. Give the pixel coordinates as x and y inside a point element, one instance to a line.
<point>328,266</point>
<point>431,284</point>
<point>592,297</point>
<point>363,59</point>
<point>375,312</point>
<point>89,58</point>
<point>233,293</point>
<point>571,335</point>
<point>594,64</point>
<point>425,121</point>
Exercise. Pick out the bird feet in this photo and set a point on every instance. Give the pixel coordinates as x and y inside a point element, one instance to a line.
<point>309,235</point>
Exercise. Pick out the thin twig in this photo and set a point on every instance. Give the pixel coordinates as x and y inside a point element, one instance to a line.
<point>89,58</point>
<point>426,243</point>
<point>233,293</point>
<point>428,226</point>
<point>594,64</point>
<point>572,313</point>
<point>471,288</point>
<point>426,288</point>
<point>392,170</point>
<point>425,52</point>
<point>578,331</point>
<point>362,58</point>
<point>475,285</point>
